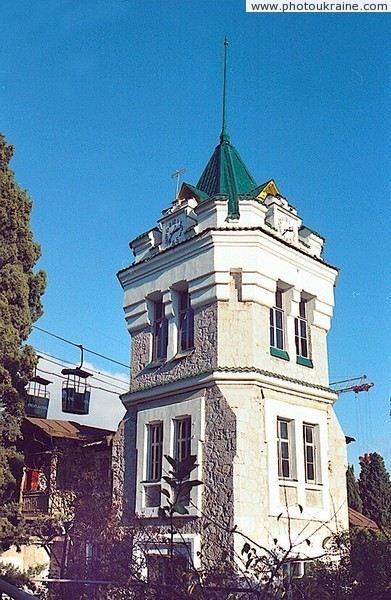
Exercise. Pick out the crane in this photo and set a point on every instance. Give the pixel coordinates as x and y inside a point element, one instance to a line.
<point>357,385</point>
<point>354,384</point>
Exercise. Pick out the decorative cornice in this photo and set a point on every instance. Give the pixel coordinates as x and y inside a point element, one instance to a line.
<point>212,370</point>
<point>232,229</point>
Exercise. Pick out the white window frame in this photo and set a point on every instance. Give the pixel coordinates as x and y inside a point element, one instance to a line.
<point>185,544</point>
<point>194,407</point>
<point>298,414</point>
<point>153,468</point>
<point>154,464</point>
<point>289,443</point>
<point>90,554</point>
<point>301,325</point>
<point>185,321</point>
<point>278,312</point>
<point>159,332</point>
<point>182,443</point>
<point>314,447</point>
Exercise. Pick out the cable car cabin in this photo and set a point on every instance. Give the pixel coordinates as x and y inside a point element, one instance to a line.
<point>38,397</point>
<point>76,392</point>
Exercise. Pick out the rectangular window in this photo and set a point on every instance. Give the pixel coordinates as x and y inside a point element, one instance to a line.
<point>103,471</point>
<point>91,554</point>
<point>301,331</point>
<point>295,569</point>
<point>182,439</point>
<point>155,452</point>
<point>162,571</point>
<point>160,332</point>
<point>277,322</point>
<point>309,441</point>
<point>284,448</point>
<point>186,322</point>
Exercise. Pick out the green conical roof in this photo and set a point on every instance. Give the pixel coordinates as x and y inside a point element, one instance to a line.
<point>226,174</point>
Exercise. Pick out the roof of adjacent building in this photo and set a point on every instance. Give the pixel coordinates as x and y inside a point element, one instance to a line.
<point>226,174</point>
<point>357,519</point>
<point>57,428</point>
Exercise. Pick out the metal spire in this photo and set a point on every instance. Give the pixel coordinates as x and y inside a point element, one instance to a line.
<point>224,137</point>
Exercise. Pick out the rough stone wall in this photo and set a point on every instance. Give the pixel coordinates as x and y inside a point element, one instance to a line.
<point>202,358</point>
<point>218,473</point>
<point>219,450</point>
<point>124,464</point>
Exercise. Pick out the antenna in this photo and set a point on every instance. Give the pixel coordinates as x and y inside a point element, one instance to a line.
<point>224,136</point>
<point>177,175</point>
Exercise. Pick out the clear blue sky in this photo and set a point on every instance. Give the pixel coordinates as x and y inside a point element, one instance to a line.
<point>104,99</point>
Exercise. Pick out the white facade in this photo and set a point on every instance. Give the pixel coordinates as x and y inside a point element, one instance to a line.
<point>254,383</point>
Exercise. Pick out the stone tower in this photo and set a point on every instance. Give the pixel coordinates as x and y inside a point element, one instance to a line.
<point>228,304</point>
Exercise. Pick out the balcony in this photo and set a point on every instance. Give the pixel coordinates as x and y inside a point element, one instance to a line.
<point>35,503</point>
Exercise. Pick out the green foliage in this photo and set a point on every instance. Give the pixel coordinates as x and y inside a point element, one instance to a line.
<point>354,499</point>
<point>20,306</point>
<point>20,579</point>
<point>356,567</point>
<point>370,557</point>
<point>180,486</point>
<point>375,489</point>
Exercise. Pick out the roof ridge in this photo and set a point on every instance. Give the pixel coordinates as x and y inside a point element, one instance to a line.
<point>226,173</point>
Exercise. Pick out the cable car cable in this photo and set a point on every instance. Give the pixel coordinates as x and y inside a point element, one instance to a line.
<point>44,355</point>
<point>94,387</point>
<point>80,346</point>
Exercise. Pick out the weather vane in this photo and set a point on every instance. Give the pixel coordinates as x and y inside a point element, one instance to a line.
<point>177,175</point>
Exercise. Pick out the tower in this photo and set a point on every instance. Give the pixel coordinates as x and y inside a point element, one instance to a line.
<point>228,304</point>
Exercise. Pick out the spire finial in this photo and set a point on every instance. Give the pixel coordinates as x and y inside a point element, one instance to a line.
<point>224,137</point>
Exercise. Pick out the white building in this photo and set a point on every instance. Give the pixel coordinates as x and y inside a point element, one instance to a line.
<point>228,304</point>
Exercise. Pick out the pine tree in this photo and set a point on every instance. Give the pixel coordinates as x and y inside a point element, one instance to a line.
<point>375,489</point>
<point>354,499</point>
<point>20,306</point>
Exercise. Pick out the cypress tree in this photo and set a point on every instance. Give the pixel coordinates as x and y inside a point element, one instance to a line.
<point>375,489</point>
<point>20,306</point>
<point>354,499</point>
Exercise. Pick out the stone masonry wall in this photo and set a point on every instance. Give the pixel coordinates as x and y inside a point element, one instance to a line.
<point>125,465</point>
<point>218,473</point>
<point>219,450</point>
<point>202,358</point>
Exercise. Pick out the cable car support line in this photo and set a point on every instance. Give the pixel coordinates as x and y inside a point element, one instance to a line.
<point>117,362</point>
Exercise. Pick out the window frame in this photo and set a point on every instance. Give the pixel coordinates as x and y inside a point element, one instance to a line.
<point>190,405</point>
<point>289,444</point>
<point>302,338</point>
<point>185,322</point>
<point>278,339</point>
<point>312,445</point>
<point>182,443</point>
<point>91,554</point>
<point>159,332</point>
<point>154,462</point>
<point>186,549</point>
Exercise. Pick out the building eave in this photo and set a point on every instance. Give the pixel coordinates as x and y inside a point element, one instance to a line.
<point>227,375</point>
<point>230,229</point>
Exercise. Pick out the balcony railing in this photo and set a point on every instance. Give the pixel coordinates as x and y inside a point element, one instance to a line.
<point>34,503</point>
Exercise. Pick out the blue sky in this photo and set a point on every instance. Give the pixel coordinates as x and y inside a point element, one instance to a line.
<point>104,99</point>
